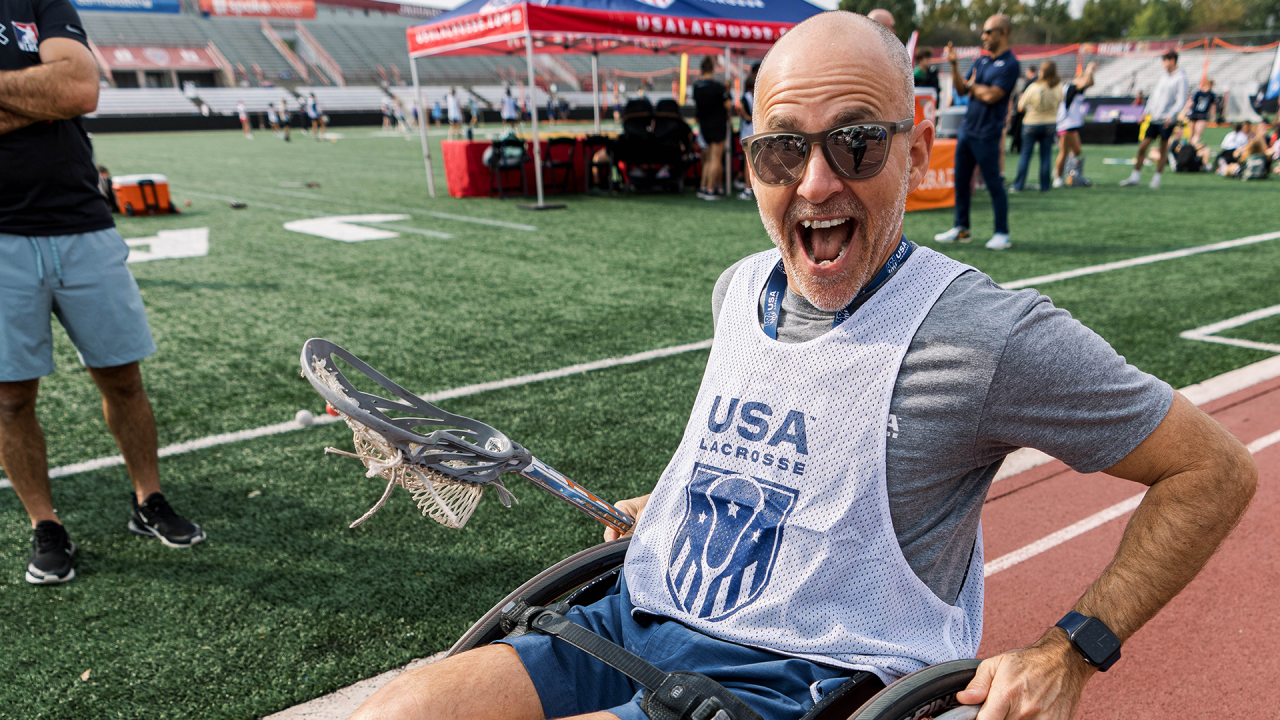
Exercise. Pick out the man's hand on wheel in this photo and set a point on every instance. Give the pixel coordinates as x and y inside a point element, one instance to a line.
<point>632,507</point>
<point>1043,681</point>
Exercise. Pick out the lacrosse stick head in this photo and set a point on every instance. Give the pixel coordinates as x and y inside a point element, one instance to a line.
<point>444,460</point>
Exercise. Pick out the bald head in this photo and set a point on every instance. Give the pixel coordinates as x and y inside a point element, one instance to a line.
<point>1000,21</point>
<point>882,16</point>
<point>840,36</point>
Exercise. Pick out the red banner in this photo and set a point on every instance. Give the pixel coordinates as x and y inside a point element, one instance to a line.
<point>300,9</point>
<point>558,25</point>
<point>156,58</point>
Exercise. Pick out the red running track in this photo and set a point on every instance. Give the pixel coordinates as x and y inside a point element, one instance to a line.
<point>1214,651</point>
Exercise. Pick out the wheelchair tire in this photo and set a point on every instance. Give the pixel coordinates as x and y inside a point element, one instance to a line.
<point>547,587</point>
<point>926,693</point>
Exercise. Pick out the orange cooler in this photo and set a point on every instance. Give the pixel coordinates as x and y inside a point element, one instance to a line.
<point>143,194</point>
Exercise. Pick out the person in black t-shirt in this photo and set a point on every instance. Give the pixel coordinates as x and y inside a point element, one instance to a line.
<point>712,104</point>
<point>1198,109</point>
<point>59,250</point>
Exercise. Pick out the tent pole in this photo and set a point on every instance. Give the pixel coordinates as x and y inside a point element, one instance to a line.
<point>422,125</point>
<point>595,83</point>
<point>533,116</point>
<point>728,138</point>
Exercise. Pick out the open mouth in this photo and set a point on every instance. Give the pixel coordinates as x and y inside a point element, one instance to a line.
<point>826,241</point>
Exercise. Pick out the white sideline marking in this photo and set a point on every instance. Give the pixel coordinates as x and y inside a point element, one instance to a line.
<point>324,419</point>
<point>1023,459</point>
<point>1207,333</point>
<point>1048,542</point>
<point>339,227</point>
<point>169,245</point>
<point>1143,260</point>
<point>420,211</point>
<point>256,203</point>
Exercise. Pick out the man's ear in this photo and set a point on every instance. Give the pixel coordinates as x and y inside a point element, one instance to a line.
<point>919,150</point>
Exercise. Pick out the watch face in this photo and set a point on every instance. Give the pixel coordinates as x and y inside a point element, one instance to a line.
<point>1096,641</point>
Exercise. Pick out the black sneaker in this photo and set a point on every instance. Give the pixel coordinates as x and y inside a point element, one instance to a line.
<point>50,561</point>
<point>154,518</point>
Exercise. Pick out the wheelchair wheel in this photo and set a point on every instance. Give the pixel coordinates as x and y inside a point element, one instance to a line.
<point>924,694</point>
<point>591,569</point>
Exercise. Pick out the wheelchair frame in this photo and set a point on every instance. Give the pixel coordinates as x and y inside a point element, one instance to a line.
<point>585,577</point>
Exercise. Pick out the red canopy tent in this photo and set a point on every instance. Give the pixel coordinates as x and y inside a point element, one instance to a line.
<point>506,27</point>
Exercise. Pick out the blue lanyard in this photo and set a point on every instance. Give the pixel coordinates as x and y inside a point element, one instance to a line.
<point>777,287</point>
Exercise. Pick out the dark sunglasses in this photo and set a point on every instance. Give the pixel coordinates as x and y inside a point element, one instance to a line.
<point>855,152</point>
<point>987,31</point>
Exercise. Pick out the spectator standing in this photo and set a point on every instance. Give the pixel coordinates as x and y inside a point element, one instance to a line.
<point>436,114</point>
<point>273,118</point>
<point>286,118</point>
<point>1040,103</point>
<point>59,249</point>
<point>711,102</point>
<point>1198,108</point>
<point>244,121</point>
<point>1167,101</point>
<point>454,111</point>
<point>926,75</point>
<point>473,109</point>
<point>313,115</point>
<point>386,114</point>
<point>990,81</point>
<point>1070,119</point>
<point>510,113</point>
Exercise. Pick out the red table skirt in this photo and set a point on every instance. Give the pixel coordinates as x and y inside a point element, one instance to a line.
<point>467,176</point>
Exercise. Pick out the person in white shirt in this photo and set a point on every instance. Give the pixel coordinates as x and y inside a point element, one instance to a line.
<point>244,121</point>
<point>510,113</point>
<point>454,111</point>
<point>1167,100</point>
<point>1235,139</point>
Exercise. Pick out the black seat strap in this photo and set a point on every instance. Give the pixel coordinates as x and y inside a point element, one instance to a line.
<point>633,666</point>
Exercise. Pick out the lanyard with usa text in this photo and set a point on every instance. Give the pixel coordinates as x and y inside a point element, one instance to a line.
<point>777,287</point>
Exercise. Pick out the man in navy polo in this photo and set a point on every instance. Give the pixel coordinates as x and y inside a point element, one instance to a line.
<point>989,85</point>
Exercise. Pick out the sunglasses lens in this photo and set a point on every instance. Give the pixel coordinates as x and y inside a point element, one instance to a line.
<point>858,152</point>
<point>779,159</point>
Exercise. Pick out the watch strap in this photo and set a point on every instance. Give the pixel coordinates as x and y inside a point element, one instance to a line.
<point>1072,622</point>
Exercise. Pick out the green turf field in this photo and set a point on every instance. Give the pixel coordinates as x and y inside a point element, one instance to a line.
<point>284,603</point>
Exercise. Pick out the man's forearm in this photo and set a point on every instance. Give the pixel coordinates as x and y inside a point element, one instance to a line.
<point>957,80</point>
<point>988,94</point>
<point>1173,533</point>
<point>12,121</point>
<point>48,91</point>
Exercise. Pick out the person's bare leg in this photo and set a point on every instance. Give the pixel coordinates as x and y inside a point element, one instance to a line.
<point>488,682</point>
<point>1142,154</point>
<point>129,417</point>
<point>22,449</point>
<point>1164,156</point>
<point>1061,162</point>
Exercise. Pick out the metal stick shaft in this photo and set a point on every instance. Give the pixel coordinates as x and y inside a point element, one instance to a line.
<point>551,480</point>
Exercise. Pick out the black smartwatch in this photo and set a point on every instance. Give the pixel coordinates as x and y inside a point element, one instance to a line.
<point>1095,641</point>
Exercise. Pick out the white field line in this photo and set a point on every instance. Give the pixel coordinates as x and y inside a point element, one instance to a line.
<point>1208,332</point>
<point>1052,540</point>
<point>1144,260</point>
<point>290,426</point>
<point>311,214</point>
<point>418,211</point>
<point>1017,462</point>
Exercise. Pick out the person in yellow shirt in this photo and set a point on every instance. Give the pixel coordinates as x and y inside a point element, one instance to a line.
<point>1040,103</point>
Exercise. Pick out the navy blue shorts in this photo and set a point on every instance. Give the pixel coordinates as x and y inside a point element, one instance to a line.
<point>571,682</point>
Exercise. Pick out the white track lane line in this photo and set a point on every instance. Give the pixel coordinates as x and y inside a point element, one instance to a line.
<point>1053,540</point>
<point>1017,462</point>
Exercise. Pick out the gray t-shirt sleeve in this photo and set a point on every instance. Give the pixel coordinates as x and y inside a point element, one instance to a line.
<point>1061,389</point>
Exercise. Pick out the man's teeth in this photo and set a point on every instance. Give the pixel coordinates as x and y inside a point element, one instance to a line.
<point>825,223</point>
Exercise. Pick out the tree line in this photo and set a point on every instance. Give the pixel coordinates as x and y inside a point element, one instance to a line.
<point>1037,22</point>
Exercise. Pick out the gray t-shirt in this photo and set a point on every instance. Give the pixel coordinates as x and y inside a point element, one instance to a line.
<point>989,371</point>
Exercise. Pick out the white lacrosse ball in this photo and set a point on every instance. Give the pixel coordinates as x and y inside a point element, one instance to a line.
<point>304,418</point>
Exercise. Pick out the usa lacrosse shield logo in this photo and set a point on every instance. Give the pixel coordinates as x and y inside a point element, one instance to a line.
<point>724,551</point>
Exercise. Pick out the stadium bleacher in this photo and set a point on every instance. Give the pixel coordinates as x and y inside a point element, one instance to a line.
<point>143,101</point>
<point>360,97</point>
<point>255,99</point>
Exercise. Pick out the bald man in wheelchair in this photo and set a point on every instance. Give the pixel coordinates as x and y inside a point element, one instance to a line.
<point>819,520</point>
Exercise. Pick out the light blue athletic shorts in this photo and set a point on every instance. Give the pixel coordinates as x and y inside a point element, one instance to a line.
<point>571,682</point>
<point>84,281</point>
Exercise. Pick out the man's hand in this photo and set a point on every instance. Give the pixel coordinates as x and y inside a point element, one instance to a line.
<point>952,57</point>
<point>1043,681</point>
<point>632,507</point>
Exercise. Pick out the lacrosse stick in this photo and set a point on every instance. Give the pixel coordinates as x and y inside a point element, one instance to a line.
<point>446,469</point>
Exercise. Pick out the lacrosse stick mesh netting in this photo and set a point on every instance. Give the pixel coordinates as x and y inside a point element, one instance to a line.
<point>440,498</point>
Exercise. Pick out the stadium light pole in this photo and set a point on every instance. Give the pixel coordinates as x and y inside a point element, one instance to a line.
<point>533,116</point>
<point>422,125</point>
